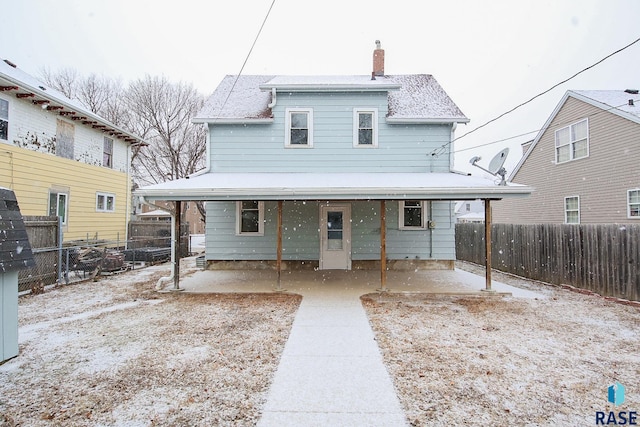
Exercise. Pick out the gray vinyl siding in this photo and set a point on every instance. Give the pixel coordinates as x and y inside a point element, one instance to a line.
<point>601,180</point>
<point>301,239</point>
<point>260,147</point>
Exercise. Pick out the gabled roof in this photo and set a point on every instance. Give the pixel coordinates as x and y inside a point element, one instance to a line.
<point>614,101</point>
<point>416,98</point>
<point>15,81</point>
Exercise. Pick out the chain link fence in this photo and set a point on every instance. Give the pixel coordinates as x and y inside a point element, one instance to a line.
<point>71,262</point>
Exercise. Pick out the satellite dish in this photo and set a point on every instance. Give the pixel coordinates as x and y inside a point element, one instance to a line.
<point>498,160</point>
<point>495,165</point>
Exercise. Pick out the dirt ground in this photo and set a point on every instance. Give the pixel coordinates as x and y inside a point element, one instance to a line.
<point>117,353</point>
<point>508,361</point>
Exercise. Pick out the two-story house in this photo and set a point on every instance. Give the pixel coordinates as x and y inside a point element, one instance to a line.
<point>583,163</point>
<point>330,172</point>
<point>62,160</point>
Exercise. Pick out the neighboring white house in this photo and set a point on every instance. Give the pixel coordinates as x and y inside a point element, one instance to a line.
<point>469,211</point>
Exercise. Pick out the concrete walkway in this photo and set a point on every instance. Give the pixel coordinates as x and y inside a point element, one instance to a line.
<point>331,372</point>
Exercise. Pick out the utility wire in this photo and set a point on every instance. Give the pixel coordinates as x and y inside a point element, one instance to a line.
<point>440,150</point>
<point>255,40</point>
<point>538,130</point>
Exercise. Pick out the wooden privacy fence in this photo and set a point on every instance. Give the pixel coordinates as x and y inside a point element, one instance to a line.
<point>603,258</point>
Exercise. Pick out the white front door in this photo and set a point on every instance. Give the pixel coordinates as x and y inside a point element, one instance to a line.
<point>335,236</point>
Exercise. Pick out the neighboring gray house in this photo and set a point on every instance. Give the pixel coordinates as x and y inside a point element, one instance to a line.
<point>583,163</point>
<point>330,172</point>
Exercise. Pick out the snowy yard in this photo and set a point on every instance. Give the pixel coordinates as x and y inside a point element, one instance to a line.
<point>492,361</point>
<point>115,352</point>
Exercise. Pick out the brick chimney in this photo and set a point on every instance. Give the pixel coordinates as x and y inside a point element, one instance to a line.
<point>378,60</point>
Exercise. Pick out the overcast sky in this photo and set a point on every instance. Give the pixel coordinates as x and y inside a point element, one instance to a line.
<point>488,55</point>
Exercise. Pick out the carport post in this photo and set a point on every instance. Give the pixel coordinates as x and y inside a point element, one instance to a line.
<point>176,246</point>
<point>383,247</point>
<point>487,244</point>
<point>279,250</point>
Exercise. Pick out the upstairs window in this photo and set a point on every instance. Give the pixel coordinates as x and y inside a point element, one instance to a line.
<point>633,206</point>
<point>65,135</point>
<point>412,215</point>
<point>299,127</point>
<point>107,153</point>
<point>105,202</point>
<point>572,210</point>
<point>4,119</point>
<point>365,129</point>
<point>58,205</point>
<point>250,218</point>
<point>572,142</point>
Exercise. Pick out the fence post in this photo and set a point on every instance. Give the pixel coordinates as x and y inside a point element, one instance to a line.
<point>60,237</point>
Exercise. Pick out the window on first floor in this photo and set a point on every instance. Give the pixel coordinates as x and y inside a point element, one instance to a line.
<point>58,203</point>
<point>299,127</point>
<point>633,203</point>
<point>572,210</point>
<point>250,218</point>
<point>4,119</point>
<point>105,202</point>
<point>365,127</point>
<point>412,215</point>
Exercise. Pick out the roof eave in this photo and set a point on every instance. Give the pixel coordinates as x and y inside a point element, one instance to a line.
<point>330,88</point>
<point>43,94</point>
<point>425,120</point>
<point>213,194</point>
<point>231,120</point>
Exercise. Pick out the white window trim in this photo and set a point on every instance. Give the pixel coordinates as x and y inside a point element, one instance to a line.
<point>423,225</point>
<point>629,204</point>
<point>570,144</point>
<point>9,113</point>
<point>65,219</point>
<point>106,195</point>
<point>565,209</point>
<point>287,127</point>
<point>239,232</point>
<point>356,127</point>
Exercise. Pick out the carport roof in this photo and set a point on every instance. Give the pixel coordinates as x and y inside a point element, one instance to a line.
<point>331,186</point>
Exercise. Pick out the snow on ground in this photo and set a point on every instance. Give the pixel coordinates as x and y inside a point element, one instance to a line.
<point>508,361</point>
<point>115,352</point>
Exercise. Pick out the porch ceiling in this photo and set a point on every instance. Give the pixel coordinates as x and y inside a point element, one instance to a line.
<point>331,186</point>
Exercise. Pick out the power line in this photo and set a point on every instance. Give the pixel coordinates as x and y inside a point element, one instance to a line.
<point>255,40</point>
<point>440,150</point>
<point>538,130</point>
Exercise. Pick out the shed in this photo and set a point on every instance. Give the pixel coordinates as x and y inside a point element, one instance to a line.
<point>15,254</point>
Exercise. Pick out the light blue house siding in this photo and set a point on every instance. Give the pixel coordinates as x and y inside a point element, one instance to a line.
<point>301,237</point>
<point>260,147</point>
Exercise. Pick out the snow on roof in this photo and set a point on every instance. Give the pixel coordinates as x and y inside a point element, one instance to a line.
<point>154,213</point>
<point>417,98</point>
<point>28,83</point>
<point>331,186</point>
<point>614,99</point>
<point>247,100</point>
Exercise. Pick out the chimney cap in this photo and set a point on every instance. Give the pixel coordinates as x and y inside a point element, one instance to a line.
<point>378,44</point>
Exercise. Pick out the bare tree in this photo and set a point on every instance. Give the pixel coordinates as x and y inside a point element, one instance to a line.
<point>157,110</point>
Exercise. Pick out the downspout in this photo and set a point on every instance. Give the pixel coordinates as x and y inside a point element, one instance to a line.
<point>274,99</point>
<point>169,278</point>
